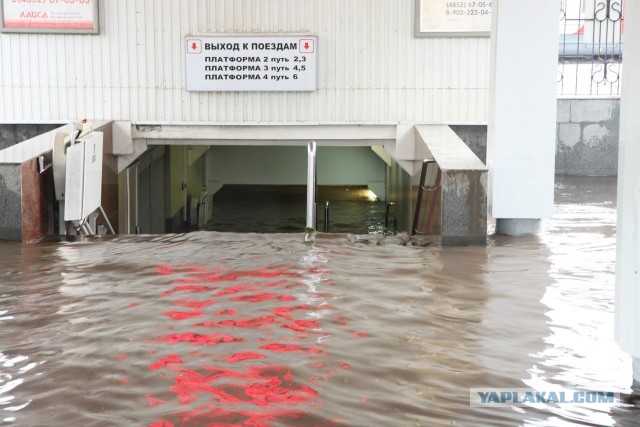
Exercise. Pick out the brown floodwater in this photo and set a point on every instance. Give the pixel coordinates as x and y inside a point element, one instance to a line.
<point>226,329</point>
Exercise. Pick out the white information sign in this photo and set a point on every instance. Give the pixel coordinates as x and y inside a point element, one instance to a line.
<point>453,18</point>
<point>49,16</point>
<point>251,63</point>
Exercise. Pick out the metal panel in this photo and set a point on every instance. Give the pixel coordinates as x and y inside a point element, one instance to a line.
<point>157,194</point>
<point>83,186</point>
<point>144,200</point>
<point>151,194</point>
<point>371,68</point>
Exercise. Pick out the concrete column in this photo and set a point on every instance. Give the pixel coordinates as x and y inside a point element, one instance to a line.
<point>522,113</point>
<point>627,330</point>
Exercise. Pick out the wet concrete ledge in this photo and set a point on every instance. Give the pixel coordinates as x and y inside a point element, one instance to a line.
<point>464,186</point>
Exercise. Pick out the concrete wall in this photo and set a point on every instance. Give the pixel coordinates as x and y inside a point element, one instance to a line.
<point>10,202</point>
<point>13,134</point>
<point>260,165</point>
<point>587,137</point>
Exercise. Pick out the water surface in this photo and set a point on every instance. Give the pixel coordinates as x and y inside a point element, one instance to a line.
<point>230,329</point>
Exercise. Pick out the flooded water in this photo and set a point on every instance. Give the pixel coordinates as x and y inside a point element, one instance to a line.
<point>224,329</point>
<point>282,209</point>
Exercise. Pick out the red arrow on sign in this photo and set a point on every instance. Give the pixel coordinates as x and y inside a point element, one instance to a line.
<point>306,45</point>
<point>194,46</point>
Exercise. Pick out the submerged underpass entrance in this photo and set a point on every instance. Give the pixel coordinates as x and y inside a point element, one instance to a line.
<point>281,209</point>
<point>255,189</point>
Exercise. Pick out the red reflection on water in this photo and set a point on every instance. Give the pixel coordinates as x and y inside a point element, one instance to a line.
<point>255,297</point>
<point>236,289</point>
<point>153,401</point>
<point>193,303</point>
<point>199,339</point>
<point>171,359</point>
<point>181,315</point>
<point>187,288</point>
<point>224,395</point>
<point>245,355</point>
<point>249,323</point>
<point>226,313</point>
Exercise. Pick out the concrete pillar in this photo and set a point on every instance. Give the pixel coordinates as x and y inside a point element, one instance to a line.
<point>627,329</point>
<point>522,113</point>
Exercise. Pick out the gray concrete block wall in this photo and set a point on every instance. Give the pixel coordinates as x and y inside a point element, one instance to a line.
<point>587,137</point>
<point>475,136</point>
<point>10,203</point>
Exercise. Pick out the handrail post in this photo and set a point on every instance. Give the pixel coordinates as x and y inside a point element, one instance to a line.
<point>311,185</point>
<point>326,217</point>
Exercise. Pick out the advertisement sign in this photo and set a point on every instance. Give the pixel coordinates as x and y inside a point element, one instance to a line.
<point>49,16</point>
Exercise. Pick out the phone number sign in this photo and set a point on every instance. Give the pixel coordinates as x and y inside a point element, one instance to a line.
<point>453,18</point>
<point>49,16</point>
<point>251,63</point>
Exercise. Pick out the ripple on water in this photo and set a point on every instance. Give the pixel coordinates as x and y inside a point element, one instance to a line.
<point>250,329</point>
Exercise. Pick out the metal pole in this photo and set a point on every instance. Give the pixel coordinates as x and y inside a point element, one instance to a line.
<point>104,215</point>
<point>326,217</point>
<point>311,185</point>
<point>128,203</point>
<point>62,226</point>
<point>386,215</point>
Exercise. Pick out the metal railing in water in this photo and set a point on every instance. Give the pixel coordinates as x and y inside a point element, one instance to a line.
<point>427,200</point>
<point>590,47</point>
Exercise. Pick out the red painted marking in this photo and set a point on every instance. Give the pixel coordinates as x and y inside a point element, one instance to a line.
<point>161,423</point>
<point>359,334</point>
<point>247,355</point>
<point>172,359</point>
<point>133,304</point>
<point>287,298</point>
<point>345,366</point>
<point>123,356</point>
<point>123,380</point>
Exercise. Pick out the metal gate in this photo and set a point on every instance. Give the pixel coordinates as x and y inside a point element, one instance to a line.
<point>590,47</point>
